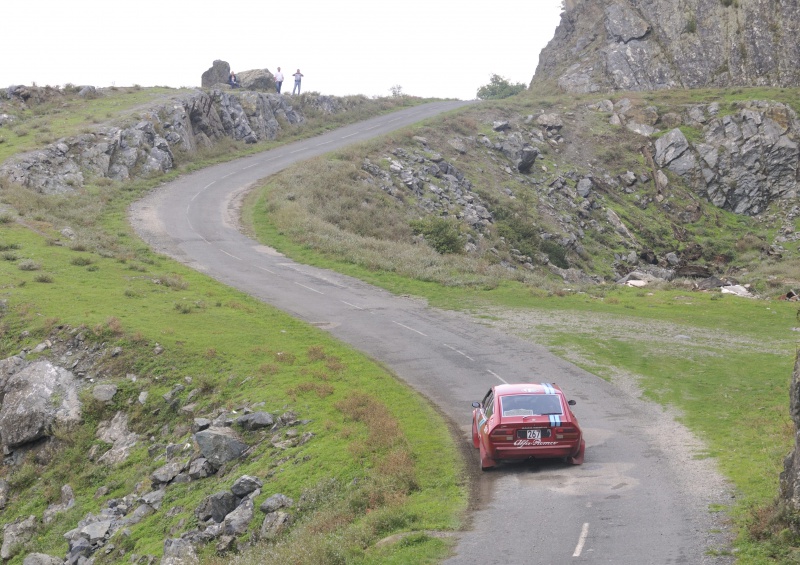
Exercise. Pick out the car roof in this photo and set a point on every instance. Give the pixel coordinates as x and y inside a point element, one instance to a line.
<point>527,388</point>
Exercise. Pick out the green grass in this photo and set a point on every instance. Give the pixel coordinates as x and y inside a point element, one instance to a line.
<point>242,353</point>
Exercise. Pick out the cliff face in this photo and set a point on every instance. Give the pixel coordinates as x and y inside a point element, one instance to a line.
<point>606,45</point>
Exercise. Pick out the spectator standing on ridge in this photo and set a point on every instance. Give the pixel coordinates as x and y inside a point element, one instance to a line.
<point>297,76</point>
<point>278,80</point>
<point>233,81</point>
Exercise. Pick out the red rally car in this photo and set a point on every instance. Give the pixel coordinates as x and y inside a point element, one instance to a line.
<point>526,421</point>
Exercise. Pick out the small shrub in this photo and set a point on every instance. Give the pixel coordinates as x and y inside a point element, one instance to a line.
<point>183,307</point>
<point>81,261</point>
<point>316,353</point>
<point>268,369</point>
<point>9,256</point>
<point>43,278</point>
<point>320,389</point>
<point>6,218</point>
<point>285,357</point>
<point>29,265</point>
<point>111,327</point>
<point>173,281</point>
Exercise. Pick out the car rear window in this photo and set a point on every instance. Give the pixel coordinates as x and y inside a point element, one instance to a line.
<point>530,404</point>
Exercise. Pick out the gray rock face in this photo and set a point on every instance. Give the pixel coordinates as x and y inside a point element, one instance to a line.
<point>41,559</point>
<point>219,445</point>
<point>275,502</point>
<point>245,485</point>
<point>187,123</point>
<point>255,421</point>
<point>36,398</point>
<point>217,74</point>
<point>15,535</point>
<point>116,432</point>
<point>216,507</point>
<point>105,392</point>
<point>605,45</point>
<point>747,159</point>
<point>237,521</point>
<point>179,552</point>
<point>274,524</point>
<point>166,473</point>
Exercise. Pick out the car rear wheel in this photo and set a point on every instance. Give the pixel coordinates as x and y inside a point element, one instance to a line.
<point>486,461</point>
<point>577,459</point>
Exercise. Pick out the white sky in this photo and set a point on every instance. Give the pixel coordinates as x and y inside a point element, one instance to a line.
<point>431,48</point>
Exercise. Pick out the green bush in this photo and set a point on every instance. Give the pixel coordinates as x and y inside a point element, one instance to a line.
<point>442,234</point>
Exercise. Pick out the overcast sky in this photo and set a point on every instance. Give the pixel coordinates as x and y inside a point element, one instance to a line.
<point>430,48</point>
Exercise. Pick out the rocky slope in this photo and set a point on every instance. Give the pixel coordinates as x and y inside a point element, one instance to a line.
<point>146,147</point>
<point>605,45</point>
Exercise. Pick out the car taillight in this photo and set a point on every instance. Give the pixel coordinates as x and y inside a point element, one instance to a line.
<point>502,434</point>
<point>567,432</point>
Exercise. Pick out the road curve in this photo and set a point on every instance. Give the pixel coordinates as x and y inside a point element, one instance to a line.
<point>635,499</point>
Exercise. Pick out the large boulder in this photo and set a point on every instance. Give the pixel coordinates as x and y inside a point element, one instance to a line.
<point>35,399</point>
<point>256,79</point>
<point>217,74</point>
<point>16,535</point>
<point>216,506</point>
<point>179,552</point>
<point>220,445</point>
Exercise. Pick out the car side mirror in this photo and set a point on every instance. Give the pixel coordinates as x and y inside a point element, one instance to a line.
<point>571,402</point>
<point>476,404</point>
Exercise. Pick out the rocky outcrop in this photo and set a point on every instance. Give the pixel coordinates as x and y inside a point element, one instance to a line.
<point>746,160</point>
<point>147,147</point>
<point>605,45</point>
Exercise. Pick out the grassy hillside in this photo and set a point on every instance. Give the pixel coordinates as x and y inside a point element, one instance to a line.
<point>723,362</point>
<point>369,470</point>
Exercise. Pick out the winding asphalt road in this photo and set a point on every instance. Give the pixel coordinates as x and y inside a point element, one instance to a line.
<point>632,502</point>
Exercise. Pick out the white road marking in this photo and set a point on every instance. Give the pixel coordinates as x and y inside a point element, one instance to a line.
<point>406,327</point>
<point>496,375</point>
<point>351,305</point>
<point>349,135</point>
<point>230,255</point>
<point>249,166</point>
<point>309,288</point>
<point>457,351</point>
<point>265,269</point>
<point>581,540</point>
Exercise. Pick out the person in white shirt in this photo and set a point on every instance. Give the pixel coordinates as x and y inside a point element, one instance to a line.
<point>278,80</point>
<point>297,76</point>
